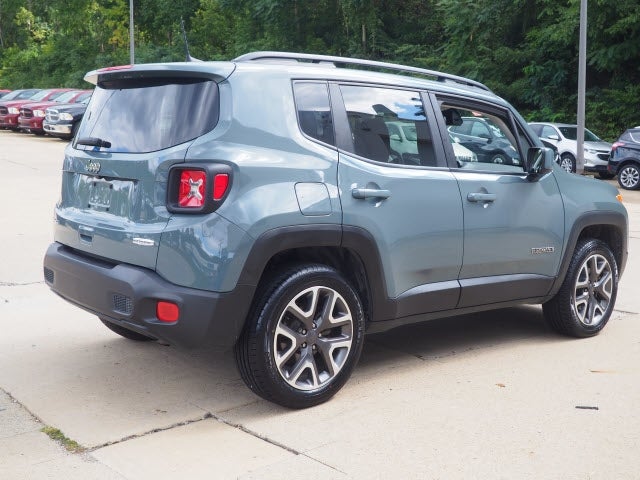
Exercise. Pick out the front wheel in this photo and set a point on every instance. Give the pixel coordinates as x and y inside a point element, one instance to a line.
<point>629,176</point>
<point>303,338</point>
<point>585,301</point>
<point>568,163</point>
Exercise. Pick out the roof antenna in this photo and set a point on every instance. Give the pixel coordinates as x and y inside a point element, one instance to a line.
<point>188,58</point>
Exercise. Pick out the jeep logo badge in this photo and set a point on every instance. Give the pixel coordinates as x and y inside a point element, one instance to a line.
<point>93,167</point>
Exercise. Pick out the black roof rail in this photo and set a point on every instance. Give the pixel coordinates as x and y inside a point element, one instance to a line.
<point>312,58</point>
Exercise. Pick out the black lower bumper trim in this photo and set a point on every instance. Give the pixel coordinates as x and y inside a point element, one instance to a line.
<point>127,295</point>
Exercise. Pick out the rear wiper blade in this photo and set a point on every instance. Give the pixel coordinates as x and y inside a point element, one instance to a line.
<point>93,142</point>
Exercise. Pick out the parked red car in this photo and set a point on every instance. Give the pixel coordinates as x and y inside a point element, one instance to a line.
<point>9,98</point>
<point>32,114</point>
<point>10,110</point>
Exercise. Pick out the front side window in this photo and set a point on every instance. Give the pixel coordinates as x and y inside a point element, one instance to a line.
<point>147,115</point>
<point>481,140</point>
<point>388,125</point>
<point>314,111</point>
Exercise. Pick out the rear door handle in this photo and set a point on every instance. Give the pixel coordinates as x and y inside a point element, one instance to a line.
<point>362,193</point>
<point>481,197</point>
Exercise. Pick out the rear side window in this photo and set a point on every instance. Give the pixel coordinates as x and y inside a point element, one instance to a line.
<point>388,125</point>
<point>140,116</point>
<point>314,111</point>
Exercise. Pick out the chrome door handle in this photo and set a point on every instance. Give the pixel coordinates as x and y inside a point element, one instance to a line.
<point>481,197</point>
<point>361,193</point>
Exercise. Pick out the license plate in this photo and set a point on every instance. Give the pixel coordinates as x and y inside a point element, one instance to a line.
<point>100,195</point>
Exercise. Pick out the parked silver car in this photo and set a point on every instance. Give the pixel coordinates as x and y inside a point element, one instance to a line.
<point>564,137</point>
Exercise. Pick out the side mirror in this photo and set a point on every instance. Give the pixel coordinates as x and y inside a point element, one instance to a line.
<point>553,137</point>
<point>452,117</point>
<point>539,161</point>
<point>395,137</point>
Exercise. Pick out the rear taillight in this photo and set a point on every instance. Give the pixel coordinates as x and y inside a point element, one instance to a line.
<point>616,145</point>
<point>198,188</point>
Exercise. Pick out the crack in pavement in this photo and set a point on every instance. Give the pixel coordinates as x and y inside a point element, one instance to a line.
<point>18,284</point>
<point>207,416</point>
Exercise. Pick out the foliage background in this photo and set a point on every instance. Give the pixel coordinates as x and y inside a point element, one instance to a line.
<point>525,50</point>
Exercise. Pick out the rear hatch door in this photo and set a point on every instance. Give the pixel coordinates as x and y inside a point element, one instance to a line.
<point>140,121</point>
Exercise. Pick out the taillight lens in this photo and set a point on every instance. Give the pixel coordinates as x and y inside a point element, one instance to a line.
<point>193,185</point>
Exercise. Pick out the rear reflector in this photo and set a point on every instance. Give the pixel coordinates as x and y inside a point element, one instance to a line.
<point>167,312</point>
<point>220,184</point>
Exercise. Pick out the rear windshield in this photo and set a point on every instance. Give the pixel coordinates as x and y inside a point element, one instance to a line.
<point>140,116</point>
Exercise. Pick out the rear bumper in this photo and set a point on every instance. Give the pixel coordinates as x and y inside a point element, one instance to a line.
<point>127,296</point>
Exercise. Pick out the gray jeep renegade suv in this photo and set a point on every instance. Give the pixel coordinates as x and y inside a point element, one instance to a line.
<point>260,204</point>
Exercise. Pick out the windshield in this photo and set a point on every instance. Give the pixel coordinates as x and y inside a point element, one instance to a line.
<point>147,115</point>
<point>66,97</point>
<point>19,95</point>
<point>571,133</point>
<point>40,95</point>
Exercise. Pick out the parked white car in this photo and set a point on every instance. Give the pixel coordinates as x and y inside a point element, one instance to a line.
<point>564,137</point>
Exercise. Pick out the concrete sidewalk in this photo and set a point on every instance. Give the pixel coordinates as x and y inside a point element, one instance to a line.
<point>491,395</point>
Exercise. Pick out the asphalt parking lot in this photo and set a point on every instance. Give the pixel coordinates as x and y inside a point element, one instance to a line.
<point>486,396</point>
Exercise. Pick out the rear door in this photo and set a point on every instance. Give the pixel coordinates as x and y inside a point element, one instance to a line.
<point>136,126</point>
<point>406,199</point>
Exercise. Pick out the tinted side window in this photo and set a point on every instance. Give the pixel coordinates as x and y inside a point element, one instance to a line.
<point>388,125</point>
<point>314,112</point>
<point>147,115</point>
<point>494,150</point>
<point>547,131</point>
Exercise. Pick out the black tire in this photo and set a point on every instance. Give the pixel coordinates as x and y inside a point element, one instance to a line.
<point>629,176</point>
<point>568,162</point>
<point>293,359</point>
<point>126,333</point>
<point>585,301</point>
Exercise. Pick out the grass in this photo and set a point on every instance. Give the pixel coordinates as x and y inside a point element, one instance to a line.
<point>55,434</point>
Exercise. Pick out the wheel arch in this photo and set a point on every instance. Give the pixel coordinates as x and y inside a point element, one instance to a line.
<point>351,251</point>
<point>607,226</point>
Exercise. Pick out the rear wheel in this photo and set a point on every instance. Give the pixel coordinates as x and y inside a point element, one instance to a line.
<point>303,338</point>
<point>499,158</point>
<point>584,303</point>
<point>568,163</point>
<point>629,176</point>
<point>125,332</point>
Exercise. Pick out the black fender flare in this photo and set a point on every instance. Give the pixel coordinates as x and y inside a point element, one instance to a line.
<point>593,219</point>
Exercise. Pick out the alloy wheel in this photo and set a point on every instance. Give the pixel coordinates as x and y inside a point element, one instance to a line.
<point>593,290</point>
<point>313,337</point>
<point>629,177</point>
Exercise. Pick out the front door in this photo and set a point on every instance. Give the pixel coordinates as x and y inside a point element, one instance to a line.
<point>513,227</point>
